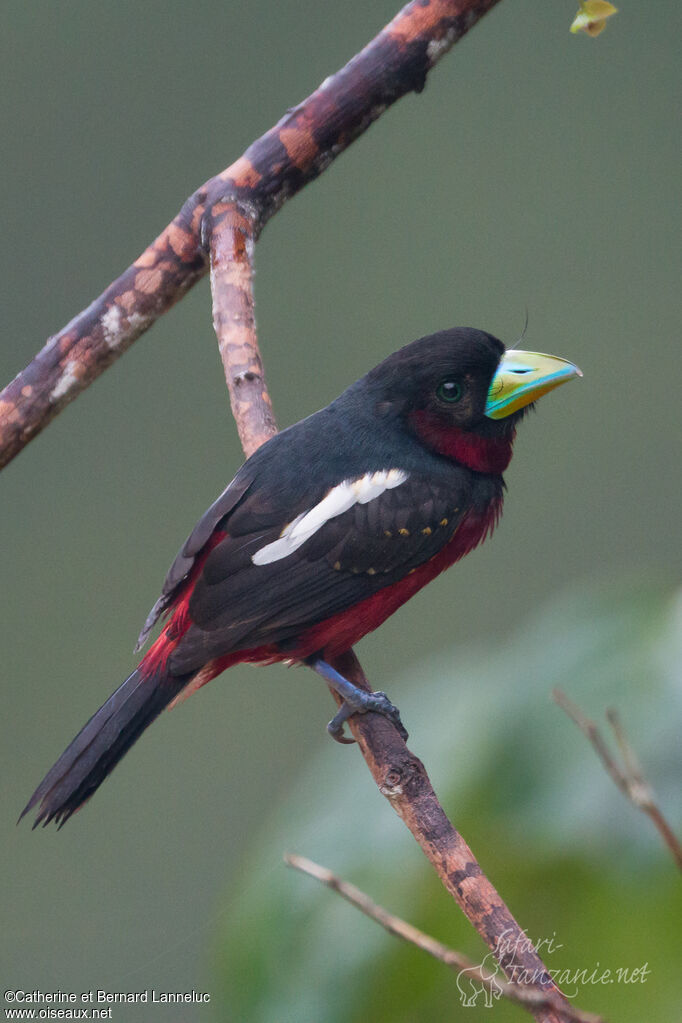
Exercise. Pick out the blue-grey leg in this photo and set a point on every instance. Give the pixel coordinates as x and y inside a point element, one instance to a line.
<point>355,701</point>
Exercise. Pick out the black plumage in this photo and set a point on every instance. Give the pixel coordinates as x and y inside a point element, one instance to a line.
<point>100,744</point>
<point>346,561</point>
<point>366,429</point>
<point>418,495</point>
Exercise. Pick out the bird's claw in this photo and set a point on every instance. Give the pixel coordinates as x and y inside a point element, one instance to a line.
<point>377,703</point>
<point>335,729</point>
<point>335,726</point>
<point>380,703</point>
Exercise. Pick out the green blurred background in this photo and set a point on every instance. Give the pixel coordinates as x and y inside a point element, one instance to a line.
<point>537,169</point>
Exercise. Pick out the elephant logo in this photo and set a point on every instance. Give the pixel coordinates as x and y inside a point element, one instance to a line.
<point>470,987</point>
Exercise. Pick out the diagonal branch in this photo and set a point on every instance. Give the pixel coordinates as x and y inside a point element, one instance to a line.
<point>275,167</point>
<point>528,997</point>
<point>629,778</point>
<point>401,777</point>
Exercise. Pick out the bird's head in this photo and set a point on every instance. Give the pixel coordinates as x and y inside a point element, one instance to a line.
<point>462,392</point>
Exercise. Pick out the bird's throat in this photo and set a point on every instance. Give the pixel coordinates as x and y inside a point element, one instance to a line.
<point>477,452</point>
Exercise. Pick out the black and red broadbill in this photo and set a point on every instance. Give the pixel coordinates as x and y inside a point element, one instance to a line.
<point>323,533</point>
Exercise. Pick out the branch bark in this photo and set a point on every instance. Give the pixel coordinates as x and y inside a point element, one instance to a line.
<point>233,237</point>
<point>217,227</point>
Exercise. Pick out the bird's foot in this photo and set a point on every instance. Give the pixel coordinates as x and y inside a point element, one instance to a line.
<point>355,701</point>
<point>378,703</point>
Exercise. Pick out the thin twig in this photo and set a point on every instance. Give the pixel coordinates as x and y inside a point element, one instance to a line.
<point>629,778</point>
<point>528,997</point>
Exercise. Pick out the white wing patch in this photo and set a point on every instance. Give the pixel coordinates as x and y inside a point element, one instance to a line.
<point>339,499</point>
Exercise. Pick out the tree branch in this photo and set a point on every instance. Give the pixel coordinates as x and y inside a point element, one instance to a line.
<point>401,777</point>
<point>529,998</point>
<point>629,778</point>
<point>233,239</point>
<point>275,167</point>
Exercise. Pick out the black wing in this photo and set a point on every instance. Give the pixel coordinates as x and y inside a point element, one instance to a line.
<point>181,567</point>
<point>237,604</point>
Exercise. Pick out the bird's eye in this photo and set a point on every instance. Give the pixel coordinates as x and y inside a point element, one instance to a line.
<point>449,390</point>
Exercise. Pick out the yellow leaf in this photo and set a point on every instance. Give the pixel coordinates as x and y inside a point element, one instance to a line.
<point>591,18</point>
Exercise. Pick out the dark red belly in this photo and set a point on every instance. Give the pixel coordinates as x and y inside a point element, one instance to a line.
<point>336,634</point>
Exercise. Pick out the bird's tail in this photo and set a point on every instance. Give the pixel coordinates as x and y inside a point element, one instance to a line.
<point>101,743</point>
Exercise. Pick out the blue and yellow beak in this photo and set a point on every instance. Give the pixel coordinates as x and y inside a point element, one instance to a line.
<point>523,377</point>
